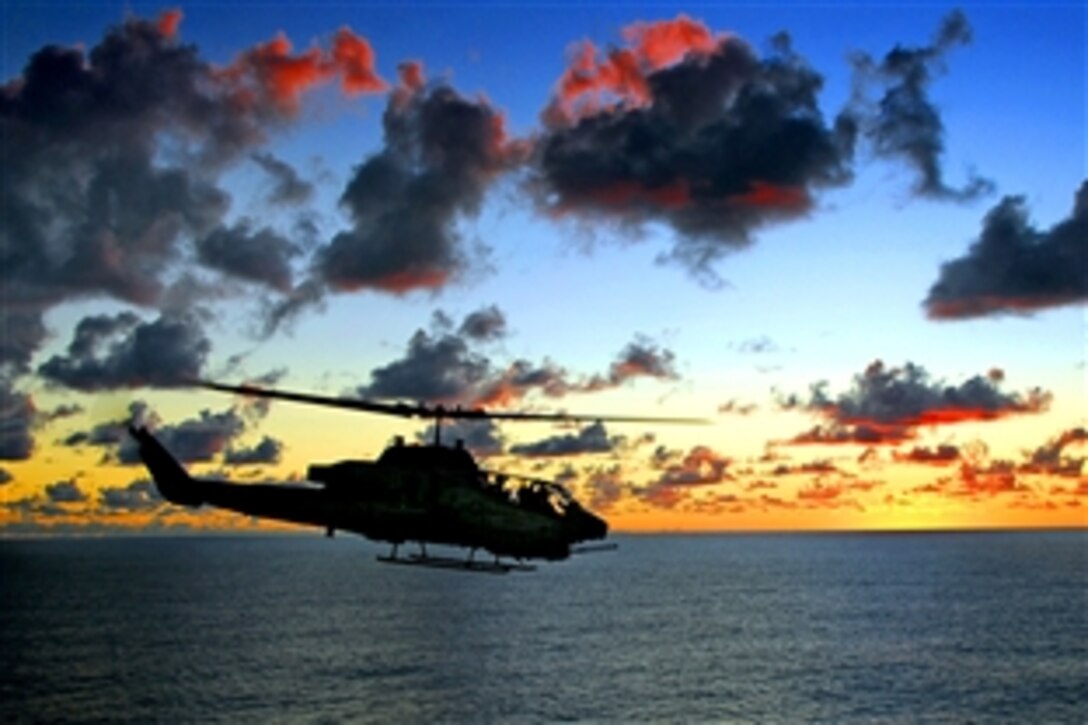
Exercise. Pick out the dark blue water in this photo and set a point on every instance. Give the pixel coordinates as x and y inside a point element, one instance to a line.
<point>961,627</point>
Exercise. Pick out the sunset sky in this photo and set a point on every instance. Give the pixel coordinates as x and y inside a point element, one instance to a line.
<point>853,237</point>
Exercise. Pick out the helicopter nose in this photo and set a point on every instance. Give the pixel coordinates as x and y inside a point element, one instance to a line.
<point>593,527</point>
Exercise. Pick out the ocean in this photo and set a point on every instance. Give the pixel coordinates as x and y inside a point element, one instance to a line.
<point>961,627</point>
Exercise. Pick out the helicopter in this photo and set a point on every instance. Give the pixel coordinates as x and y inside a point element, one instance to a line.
<point>424,493</point>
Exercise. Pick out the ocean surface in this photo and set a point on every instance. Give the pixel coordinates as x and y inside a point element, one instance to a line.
<point>962,627</point>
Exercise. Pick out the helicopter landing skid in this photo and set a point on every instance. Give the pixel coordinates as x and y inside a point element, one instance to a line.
<point>454,564</point>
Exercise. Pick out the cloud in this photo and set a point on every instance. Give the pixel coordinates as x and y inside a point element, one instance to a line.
<point>681,473</point>
<point>287,187</point>
<point>445,366</point>
<point>904,123</point>
<point>441,153</point>
<point>592,438</point>
<point>262,256</point>
<point>822,466</point>
<point>5,476</point>
<point>606,488</point>
<point>1051,458</point>
<point>108,434</point>
<point>17,417</point>
<point>65,410</point>
<point>692,130</point>
<point>976,481</point>
<point>137,496</point>
<point>269,77</point>
<point>482,437</point>
<point>112,161</point>
<point>887,405</point>
<point>439,369</point>
<point>65,492</point>
<point>1015,268</point>
<point>267,451</point>
<point>941,455</point>
<point>735,407</point>
<point>701,466</point>
<point>761,345</point>
<point>485,324</point>
<point>87,206</point>
<point>195,440</point>
<point>167,352</point>
<point>642,358</point>
<point>283,312</point>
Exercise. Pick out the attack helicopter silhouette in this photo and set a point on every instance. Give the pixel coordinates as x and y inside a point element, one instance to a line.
<point>426,493</point>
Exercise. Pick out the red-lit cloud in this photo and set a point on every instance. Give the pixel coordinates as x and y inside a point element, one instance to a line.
<point>668,41</point>
<point>270,70</point>
<point>595,82</point>
<point>169,21</point>
<point>886,406</point>
<point>691,128</point>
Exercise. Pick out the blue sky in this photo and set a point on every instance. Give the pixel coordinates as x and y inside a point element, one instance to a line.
<point>813,297</point>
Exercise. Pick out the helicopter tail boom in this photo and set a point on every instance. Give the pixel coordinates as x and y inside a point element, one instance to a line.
<point>173,481</point>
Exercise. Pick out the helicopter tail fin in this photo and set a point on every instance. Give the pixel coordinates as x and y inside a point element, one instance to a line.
<point>173,481</point>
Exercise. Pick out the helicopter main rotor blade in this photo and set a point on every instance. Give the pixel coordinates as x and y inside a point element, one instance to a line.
<point>400,409</point>
<point>436,412</point>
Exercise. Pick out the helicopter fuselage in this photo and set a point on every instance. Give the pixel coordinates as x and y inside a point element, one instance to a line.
<point>399,498</point>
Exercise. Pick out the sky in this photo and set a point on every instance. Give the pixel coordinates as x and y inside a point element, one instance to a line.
<point>851,236</point>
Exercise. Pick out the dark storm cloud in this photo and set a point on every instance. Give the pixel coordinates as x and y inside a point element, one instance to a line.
<point>24,332</point>
<point>1013,267</point>
<point>287,186</point>
<point>121,351</point>
<point>17,417</point>
<point>262,256</point>
<point>112,159</point>
<point>441,153</point>
<point>445,366</point>
<point>435,368</point>
<point>65,492</point>
<point>268,450</point>
<point>592,438</point>
<point>716,144</point>
<point>886,405</point>
<point>905,123</point>
<point>195,440</point>
<point>87,205</point>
